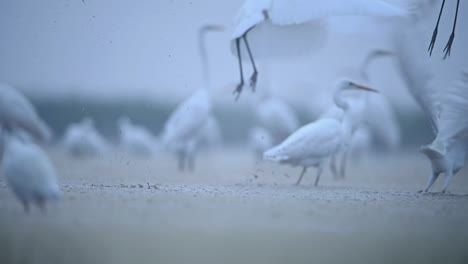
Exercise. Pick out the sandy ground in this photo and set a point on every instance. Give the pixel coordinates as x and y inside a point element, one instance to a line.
<point>124,209</point>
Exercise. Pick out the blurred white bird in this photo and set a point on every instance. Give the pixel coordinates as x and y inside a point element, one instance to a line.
<point>183,128</point>
<point>16,111</point>
<point>296,12</point>
<point>274,114</point>
<point>313,144</point>
<point>136,139</point>
<point>28,171</point>
<point>83,140</point>
<point>445,106</point>
<point>211,136</point>
<point>259,140</point>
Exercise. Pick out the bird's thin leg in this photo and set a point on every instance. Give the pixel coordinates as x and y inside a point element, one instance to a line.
<point>333,168</point>
<point>344,160</point>
<point>191,162</point>
<point>431,181</point>
<point>434,34</point>
<point>448,179</point>
<point>238,89</point>
<point>304,169</point>
<point>319,172</point>
<point>25,206</point>
<point>253,78</point>
<point>448,47</point>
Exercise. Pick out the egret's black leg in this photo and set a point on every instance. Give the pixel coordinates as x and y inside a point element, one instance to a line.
<point>238,89</point>
<point>253,78</point>
<point>448,47</point>
<point>434,34</point>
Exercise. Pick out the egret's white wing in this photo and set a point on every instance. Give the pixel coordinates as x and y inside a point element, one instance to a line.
<point>452,119</point>
<point>314,140</point>
<point>249,15</point>
<point>415,68</point>
<point>287,12</point>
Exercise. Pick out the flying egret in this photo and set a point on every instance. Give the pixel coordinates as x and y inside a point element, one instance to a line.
<point>184,125</point>
<point>83,140</point>
<point>136,139</point>
<point>445,106</point>
<point>28,171</point>
<point>448,46</point>
<point>16,111</point>
<point>295,12</point>
<point>312,144</point>
<point>259,140</point>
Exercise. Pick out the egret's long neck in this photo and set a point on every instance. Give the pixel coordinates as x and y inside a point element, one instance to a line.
<point>339,101</point>
<point>203,56</point>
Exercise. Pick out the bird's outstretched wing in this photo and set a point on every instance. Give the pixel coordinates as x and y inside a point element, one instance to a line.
<point>287,12</point>
<point>452,118</point>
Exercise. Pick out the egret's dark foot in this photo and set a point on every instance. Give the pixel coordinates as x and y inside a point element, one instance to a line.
<point>253,80</point>
<point>237,92</point>
<point>422,191</point>
<point>433,40</point>
<point>448,47</point>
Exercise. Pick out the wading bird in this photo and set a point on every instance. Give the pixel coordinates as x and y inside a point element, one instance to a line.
<point>295,12</point>
<point>16,111</point>
<point>182,129</point>
<point>312,144</point>
<point>28,171</point>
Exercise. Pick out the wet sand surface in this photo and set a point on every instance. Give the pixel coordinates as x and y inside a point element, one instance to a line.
<point>126,209</point>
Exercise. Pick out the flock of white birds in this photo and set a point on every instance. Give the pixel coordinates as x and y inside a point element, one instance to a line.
<point>359,117</point>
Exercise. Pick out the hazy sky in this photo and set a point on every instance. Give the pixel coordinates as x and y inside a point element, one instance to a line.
<point>146,47</point>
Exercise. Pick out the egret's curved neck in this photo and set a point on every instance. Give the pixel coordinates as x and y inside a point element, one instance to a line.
<point>339,101</point>
<point>203,56</point>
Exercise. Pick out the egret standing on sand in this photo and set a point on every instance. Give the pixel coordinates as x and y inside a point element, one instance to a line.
<point>313,144</point>
<point>182,129</point>
<point>83,140</point>
<point>295,12</point>
<point>136,139</point>
<point>28,171</point>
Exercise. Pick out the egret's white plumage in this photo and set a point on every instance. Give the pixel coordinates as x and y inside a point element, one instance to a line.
<point>211,135</point>
<point>312,144</point>
<point>16,111</point>
<point>446,106</point>
<point>28,171</point>
<point>82,139</point>
<point>287,13</point>
<point>259,140</point>
<point>184,126</point>
<point>135,138</point>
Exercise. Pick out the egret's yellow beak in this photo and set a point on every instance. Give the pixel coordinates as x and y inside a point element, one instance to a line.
<point>365,88</point>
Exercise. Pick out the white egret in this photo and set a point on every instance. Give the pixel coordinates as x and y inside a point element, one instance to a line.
<point>312,144</point>
<point>16,111</point>
<point>83,140</point>
<point>28,171</point>
<point>445,106</point>
<point>136,139</point>
<point>259,140</point>
<point>182,129</point>
<point>367,115</point>
<point>296,12</point>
